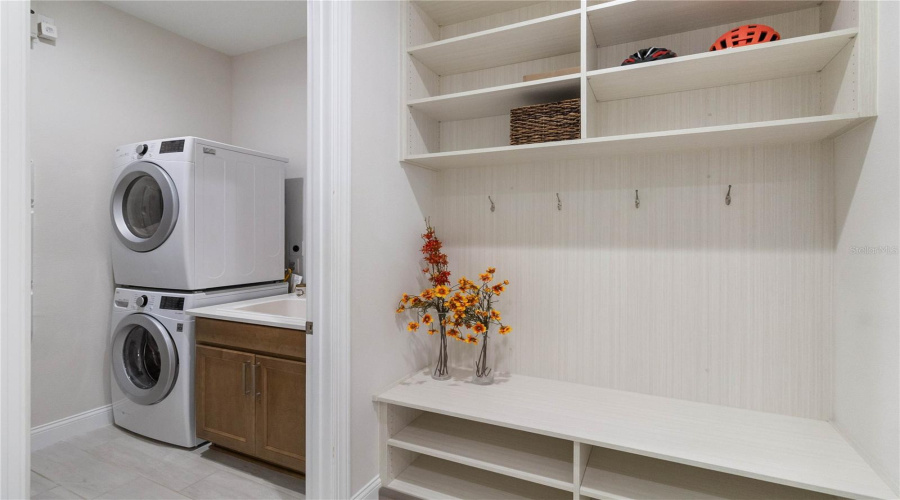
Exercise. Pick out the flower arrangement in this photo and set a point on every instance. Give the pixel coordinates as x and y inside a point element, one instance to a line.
<point>471,305</point>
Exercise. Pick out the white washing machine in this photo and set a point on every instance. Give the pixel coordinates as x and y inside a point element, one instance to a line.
<point>193,214</point>
<point>152,357</point>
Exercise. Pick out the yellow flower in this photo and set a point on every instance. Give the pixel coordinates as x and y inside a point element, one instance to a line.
<point>405,298</point>
<point>505,282</point>
<point>412,326</point>
<point>453,332</point>
<point>471,340</point>
<point>442,291</point>
<point>495,314</point>
<point>491,270</point>
<point>431,331</point>
<point>427,319</point>
<point>498,288</point>
<point>427,294</point>
<point>400,309</point>
<point>479,328</point>
<point>505,329</point>
<point>485,277</point>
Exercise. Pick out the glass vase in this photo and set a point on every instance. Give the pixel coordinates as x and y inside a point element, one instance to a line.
<point>484,363</point>
<point>441,370</point>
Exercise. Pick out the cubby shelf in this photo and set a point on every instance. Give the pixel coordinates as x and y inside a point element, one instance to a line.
<point>791,451</point>
<point>497,100</point>
<point>539,459</point>
<point>429,477</point>
<point>623,21</point>
<point>544,37</point>
<point>784,58</point>
<point>769,132</point>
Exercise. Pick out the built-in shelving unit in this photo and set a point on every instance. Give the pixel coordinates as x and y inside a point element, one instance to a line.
<point>622,445</point>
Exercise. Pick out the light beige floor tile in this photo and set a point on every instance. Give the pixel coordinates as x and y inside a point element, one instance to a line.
<point>142,489</point>
<point>58,492</point>
<point>96,438</point>
<point>172,467</point>
<point>225,485</point>
<point>40,484</point>
<point>78,471</point>
<point>292,485</point>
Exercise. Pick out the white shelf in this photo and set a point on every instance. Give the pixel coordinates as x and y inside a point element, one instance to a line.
<point>787,450</point>
<point>784,58</point>
<point>444,13</point>
<point>498,100</point>
<point>539,459</point>
<point>770,132</point>
<point>623,21</point>
<point>544,37</point>
<point>429,477</point>
<point>614,475</point>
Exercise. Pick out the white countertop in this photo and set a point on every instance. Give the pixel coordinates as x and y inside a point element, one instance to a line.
<point>279,311</point>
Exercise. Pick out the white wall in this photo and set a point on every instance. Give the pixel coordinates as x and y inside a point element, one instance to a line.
<point>111,79</point>
<point>389,203</point>
<point>269,102</point>
<point>866,288</point>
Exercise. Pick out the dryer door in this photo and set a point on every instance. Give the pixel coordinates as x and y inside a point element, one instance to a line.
<point>144,359</point>
<point>144,206</point>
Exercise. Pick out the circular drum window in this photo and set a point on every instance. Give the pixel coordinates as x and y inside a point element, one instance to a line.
<point>142,206</point>
<point>141,358</point>
<point>144,359</point>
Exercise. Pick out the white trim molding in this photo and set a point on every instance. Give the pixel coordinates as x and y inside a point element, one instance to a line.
<point>328,219</point>
<point>47,434</point>
<point>369,491</point>
<point>15,253</point>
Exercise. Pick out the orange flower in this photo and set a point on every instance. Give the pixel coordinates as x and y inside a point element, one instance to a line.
<point>412,326</point>
<point>427,294</point>
<point>471,340</point>
<point>453,332</point>
<point>485,277</point>
<point>427,319</point>
<point>405,298</point>
<point>441,291</point>
<point>400,309</point>
<point>495,314</point>
<point>505,282</point>
<point>479,328</point>
<point>415,301</point>
<point>491,270</point>
<point>431,331</point>
<point>498,288</point>
<point>505,329</point>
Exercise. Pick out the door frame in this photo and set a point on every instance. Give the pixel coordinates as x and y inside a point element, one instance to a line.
<point>15,253</point>
<point>327,217</point>
<point>326,214</point>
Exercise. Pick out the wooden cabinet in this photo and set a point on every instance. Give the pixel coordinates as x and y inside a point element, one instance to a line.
<point>251,390</point>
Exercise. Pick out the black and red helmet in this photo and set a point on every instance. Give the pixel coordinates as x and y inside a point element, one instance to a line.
<point>648,55</point>
<point>746,35</point>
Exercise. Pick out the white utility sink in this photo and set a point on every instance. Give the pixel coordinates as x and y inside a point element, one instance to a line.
<point>281,311</point>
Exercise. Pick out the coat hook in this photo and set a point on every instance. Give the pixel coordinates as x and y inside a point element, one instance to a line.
<point>492,204</point>
<point>558,202</point>
<point>637,199</point>
<point>728,196</point>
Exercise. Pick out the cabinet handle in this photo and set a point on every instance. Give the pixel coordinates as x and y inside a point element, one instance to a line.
<point>244,366</point>
<point>255,368</point>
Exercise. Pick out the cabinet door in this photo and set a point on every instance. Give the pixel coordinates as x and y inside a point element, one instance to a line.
<point>224,398</point>
<point>281,412</point>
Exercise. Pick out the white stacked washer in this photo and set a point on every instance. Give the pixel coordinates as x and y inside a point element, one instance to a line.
<point>153,358</point>
<point>197,223</point>
<point>193,214</point>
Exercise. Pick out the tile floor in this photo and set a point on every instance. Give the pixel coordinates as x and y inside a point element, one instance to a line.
<point>116,464</point>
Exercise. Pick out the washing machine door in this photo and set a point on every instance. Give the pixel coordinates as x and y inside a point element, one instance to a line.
<point>144,206</point>
<point>144,359</point>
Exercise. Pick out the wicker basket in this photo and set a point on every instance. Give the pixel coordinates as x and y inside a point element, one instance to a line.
<point>555,121</point>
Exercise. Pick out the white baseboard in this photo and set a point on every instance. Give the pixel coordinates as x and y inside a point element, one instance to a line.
<point>369,491</point>
<point>45,435</point>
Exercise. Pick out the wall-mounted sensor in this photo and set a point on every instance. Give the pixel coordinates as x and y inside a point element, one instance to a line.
<point>46,31</point>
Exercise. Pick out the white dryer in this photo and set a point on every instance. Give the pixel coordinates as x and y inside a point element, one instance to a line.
<point>193,214</point>
<point>152,358</point>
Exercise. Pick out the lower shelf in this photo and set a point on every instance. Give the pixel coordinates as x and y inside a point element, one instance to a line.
<point>429,477</point>
<point>809,129</point>
<point>614,474</point>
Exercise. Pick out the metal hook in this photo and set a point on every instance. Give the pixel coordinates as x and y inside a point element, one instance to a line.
<point>558,202</point>
<point>637,199</point>
<point>728,196</point>
<point>492,204</point>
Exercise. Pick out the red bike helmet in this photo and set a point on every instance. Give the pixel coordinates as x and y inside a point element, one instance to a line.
<point>648,55</point>
<point>746,35</point>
